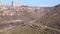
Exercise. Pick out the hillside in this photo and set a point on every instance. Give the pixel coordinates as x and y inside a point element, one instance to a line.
<point>21,13</point>
<point>21,19</point>
<point>52,18</point>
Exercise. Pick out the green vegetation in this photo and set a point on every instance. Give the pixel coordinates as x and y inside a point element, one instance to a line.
<point>32,30</point>
<point>27,30</point>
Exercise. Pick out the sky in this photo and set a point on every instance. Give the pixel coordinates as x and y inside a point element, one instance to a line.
<point>34,2</point>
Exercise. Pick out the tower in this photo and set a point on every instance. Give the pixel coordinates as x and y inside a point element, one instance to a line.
<point>12,3</point>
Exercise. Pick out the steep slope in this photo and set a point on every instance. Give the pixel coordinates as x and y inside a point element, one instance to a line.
<point>52,18</point>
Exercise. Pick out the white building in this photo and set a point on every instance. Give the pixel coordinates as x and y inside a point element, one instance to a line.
<point>16,4</point>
